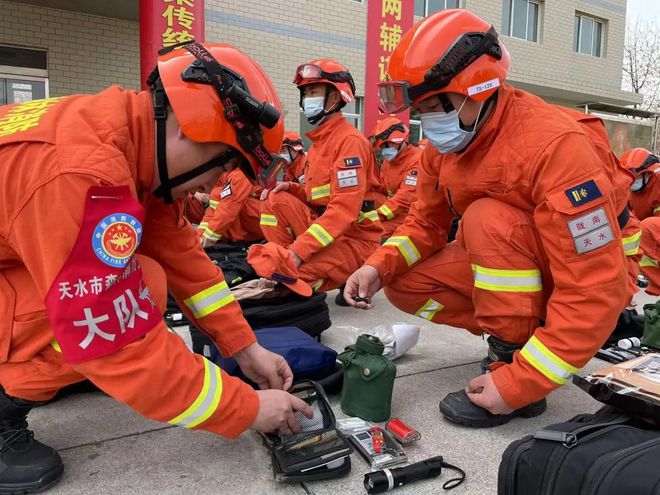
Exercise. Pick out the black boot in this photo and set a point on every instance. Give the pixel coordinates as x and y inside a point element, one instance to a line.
<point>458,408</point>
<point>339,300</point>
<point>26,465</point>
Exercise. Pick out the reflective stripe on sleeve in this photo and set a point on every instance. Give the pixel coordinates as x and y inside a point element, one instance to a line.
<point>213,204</point>
<point>631,244</point>
<point>656,210</point>
<point>203,225</point>
<point>55,345</point>
<point>368,215</point>
<point>429,310</point>
<point>321,235</point>
<point>206,402</point>
<point>209,300</point>
<point>212,235</point>
<point>386,212</point>
<point>317,285</point>
<point>406,247</point>
<point>321,191</point>
<point>268,220</point>
<point>546,362</point>
<point>507,280</point>
<point>646,261</point>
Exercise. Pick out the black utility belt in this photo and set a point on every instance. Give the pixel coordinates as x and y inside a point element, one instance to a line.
<point>366,206</point>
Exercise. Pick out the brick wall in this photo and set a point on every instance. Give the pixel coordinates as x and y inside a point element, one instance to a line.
<point>86,53</point>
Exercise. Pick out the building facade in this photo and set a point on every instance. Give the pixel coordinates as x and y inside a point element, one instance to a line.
<point>567,51</point>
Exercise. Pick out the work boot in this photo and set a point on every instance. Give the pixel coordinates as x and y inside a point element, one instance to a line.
<point>458,408</point>
<point>26,465</point>
<point>339,300</point>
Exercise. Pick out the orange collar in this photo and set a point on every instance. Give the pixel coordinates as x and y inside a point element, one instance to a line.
<point>332,123</point>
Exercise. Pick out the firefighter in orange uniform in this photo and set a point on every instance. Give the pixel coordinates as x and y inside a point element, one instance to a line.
<point>538,263</point>
<point>398,172</point>
<point>329,223</point>
<point>83,287</point>
<point>645,201</point>
<point>234,210</point>
<point>294,154</point>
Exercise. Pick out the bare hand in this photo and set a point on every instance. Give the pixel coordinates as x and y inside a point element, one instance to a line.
<point>280,186</point>
<point>276,412</point>
<point>207,242</point>
<point>265,368</point>
<point>483,392</point>
<point>202,197</point>
<point>364,283</point>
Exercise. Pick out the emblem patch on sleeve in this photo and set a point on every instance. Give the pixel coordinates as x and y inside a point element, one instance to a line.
<point>115,239</point>
<point>347,178</point>
<point>583,193</point>
<point>352,162</point>
<point>226,191</point>
<point>590,231</point>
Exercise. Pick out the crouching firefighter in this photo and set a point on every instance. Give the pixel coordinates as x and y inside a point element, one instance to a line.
<point>538,263</point>
<point>83,287</point>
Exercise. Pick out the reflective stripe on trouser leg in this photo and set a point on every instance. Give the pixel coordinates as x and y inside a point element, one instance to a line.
<point>546,362</point>
<point>429,310</point>
<point>268,220</point>
<point>206,402</point>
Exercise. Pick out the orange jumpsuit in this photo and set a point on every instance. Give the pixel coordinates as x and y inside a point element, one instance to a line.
<point>234,210</point>
<point>646,205</point>
<point>538,241</point>
<point>330,221</point>
<point>399,177</point>
<point>295,171</point>
<point>52,152</point>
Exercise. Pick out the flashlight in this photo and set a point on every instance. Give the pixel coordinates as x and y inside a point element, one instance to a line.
<point>388,479</point>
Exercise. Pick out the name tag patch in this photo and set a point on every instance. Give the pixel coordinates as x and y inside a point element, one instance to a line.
<point>591,231</point>
<point>583,193</point>
<point>226,191</point>
<point>301,179</point>
<point>347,178</point>
<point>411,180</point>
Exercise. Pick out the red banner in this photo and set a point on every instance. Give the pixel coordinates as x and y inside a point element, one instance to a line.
<point>387,22</point>
<point>165,23</point>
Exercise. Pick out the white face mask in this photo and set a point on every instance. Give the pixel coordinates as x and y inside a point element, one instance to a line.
<point>638,184</point>
<point>444,132</point>
<point>287,157</point>
<point>389,153</point>
<point>313,106</point>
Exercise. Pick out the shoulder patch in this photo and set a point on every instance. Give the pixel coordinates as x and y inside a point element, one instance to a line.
<point>352,162</point>
<point>226,191</point>
<point>583,193</point>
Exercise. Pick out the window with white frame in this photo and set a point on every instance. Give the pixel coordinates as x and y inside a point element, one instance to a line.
<point>520,19</point>
<point>23,75</point>
<point>588,35</point>
<point>426,7</point>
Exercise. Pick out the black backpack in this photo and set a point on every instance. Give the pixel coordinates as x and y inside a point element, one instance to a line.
<point>605,453</point>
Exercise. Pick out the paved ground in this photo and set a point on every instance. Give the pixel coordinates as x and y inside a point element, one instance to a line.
<point>108,448</point>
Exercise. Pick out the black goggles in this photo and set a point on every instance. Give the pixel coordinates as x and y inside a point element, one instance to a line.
<point>650,160</point>
<point>388,132</point>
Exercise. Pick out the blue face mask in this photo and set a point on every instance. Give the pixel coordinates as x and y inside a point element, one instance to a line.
<point>638,185</point>
<point>444,132</point>
<point>389,153</point>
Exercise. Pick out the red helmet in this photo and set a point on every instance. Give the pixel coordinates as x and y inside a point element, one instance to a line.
<point>328,71</point>
<point>452,51</point>
<point>640,161</point>
<point>292,140</point>
<point>389,130</point>
<point>194,75</point>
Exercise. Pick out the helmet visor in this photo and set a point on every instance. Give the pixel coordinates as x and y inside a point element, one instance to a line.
<point>307,71</point>
<point>268,176</point>
<point>393,96</point>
